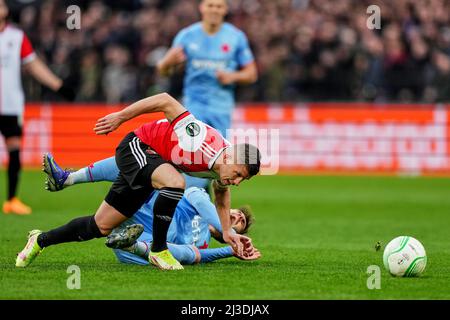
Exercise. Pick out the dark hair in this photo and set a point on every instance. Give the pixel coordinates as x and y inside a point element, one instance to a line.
<point>249,218</point>
<point>249,155</point>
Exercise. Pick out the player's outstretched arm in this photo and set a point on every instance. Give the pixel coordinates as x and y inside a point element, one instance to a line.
<point>162,102</point>
<point>201,201</point>
<point>239,243</point>
<point>185,254</point>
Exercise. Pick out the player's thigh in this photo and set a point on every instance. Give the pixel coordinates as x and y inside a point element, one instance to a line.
<point>166,175</point>
<point>125,198</point>
<point>107,218</point>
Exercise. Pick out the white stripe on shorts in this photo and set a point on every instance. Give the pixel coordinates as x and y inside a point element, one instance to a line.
<point>139,151</point>
<point>135,153</point>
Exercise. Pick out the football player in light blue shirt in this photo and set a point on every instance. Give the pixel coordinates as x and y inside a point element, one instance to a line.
<point>217,56</point>
<point>189,234</point>
<point>194,221</point>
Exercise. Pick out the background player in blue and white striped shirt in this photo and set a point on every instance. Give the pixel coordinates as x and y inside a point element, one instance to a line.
<point>217,56</point>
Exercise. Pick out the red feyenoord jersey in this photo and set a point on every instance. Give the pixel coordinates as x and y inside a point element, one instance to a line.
<point>189,144</point>
<point>15,50</point>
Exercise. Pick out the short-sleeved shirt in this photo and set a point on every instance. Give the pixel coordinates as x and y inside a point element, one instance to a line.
<point>226,50</point>
<point>187,143</point>
<point>15,50</point>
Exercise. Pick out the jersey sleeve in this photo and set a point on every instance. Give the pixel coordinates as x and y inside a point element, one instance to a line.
<point>199,199</point>
<point>26,50</point>
<point>244,53</point>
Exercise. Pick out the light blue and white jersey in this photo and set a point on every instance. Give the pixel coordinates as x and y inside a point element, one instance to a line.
<point>190,222</point>
<point>226,50</point>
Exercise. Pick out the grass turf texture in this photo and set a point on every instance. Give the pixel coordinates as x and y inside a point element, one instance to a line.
<point>317,236</point>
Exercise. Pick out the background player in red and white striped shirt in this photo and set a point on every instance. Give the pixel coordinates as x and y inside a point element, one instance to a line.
<point>16,52</point>
<point>150,158</point>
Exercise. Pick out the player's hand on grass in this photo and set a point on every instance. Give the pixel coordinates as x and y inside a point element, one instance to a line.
<point>253,255</point>
<point>108,123</point>
<point>249,252</point>
<point>238,242</point>
<point>248,245</point>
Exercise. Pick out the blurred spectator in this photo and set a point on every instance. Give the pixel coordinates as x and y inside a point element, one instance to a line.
<point>90,77</point>
<point>439,87</point>
<point>119,78</point>
<point>305,49</point>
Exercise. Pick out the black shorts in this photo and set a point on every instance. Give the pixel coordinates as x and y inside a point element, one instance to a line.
<point>10,127</point>
<point>133,185</point>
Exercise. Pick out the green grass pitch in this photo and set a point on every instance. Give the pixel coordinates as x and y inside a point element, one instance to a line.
<point>317,235</point>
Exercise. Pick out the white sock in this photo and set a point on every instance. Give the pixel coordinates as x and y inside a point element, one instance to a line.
<point>80,176</point>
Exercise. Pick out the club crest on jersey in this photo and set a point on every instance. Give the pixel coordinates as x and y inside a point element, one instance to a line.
<point>193,129</point>
<point>190,133</point>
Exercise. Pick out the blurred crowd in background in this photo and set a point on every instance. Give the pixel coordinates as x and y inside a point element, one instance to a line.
<point>306,50</point>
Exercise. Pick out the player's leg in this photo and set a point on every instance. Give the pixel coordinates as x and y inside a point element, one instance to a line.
<point>12,131</point>
<point>171,185</point>
<point>130,258</point>
<point>78,229</point>
<point>121,202</point>
<point>58,178</point>
<point>14,165</point>
<point>185,254</point>
<point>143,172</point>
<point>137,252</point>
<point>189,254</point>
<point>171,188</point>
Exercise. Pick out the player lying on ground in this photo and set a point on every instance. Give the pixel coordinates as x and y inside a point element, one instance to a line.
<point>131,243</point>
<point>150,158</point>
<point>193,223</point>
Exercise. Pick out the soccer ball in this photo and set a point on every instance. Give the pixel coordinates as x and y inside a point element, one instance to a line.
<point>405,257</point>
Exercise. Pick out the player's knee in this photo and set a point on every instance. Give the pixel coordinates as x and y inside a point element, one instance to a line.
<point>13,143</point>
<point>103,227</point>
<point>104,230</point>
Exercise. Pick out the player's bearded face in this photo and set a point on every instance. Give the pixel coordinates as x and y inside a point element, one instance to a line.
<point>213,11</point>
